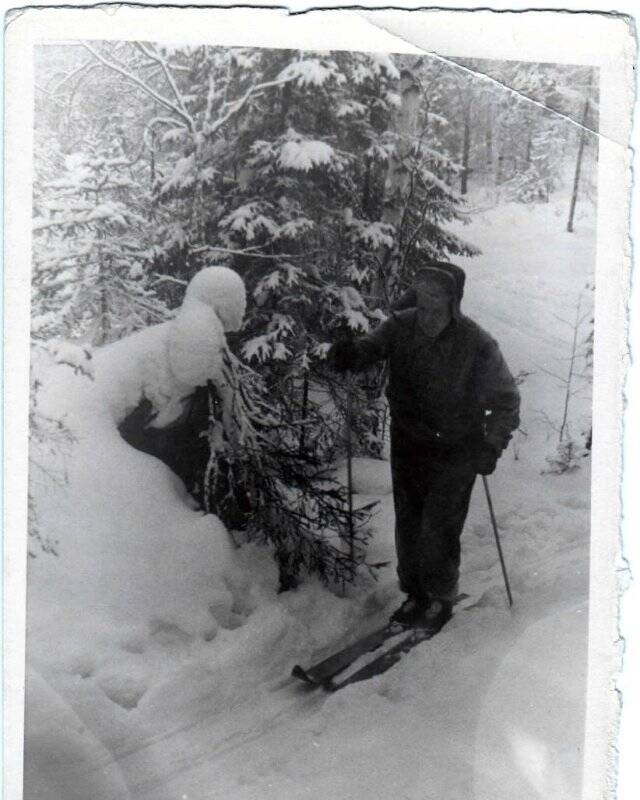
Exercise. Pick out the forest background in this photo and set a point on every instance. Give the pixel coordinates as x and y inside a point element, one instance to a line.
<point>324,179</point>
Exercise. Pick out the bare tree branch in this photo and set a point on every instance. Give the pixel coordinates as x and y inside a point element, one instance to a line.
<point>168,279</point>
<point>154,56</point>
<point>163,101</point>
<point>253,252</point>
<point>87,64</point>
<point>553,374</point>
<point>49,94</point>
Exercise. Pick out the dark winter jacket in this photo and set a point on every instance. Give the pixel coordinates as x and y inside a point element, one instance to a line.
<point>447,390</point>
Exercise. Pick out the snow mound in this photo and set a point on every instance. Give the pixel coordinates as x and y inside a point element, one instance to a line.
<point>132,554</point>
<point>542,761</point>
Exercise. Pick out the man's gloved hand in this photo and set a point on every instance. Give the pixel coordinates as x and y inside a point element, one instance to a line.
<point>486,458</point>
<point>343,355</point>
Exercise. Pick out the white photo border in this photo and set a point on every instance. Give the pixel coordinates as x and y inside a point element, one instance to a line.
<point>590,39</point>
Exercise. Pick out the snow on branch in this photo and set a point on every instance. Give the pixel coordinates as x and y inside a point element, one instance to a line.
<point>312,72</point>
<point>142,85</point>
<point>259,478</point>
<point>237,105</point>
<point>155,56</point>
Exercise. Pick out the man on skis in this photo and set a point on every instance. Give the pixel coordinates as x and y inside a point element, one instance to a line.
<point>454,405</point>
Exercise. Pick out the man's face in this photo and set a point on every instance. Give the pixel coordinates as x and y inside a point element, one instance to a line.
<point>433,297</point>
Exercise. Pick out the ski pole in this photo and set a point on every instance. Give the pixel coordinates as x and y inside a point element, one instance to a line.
<point>350,469</point>
<point>495,532</point>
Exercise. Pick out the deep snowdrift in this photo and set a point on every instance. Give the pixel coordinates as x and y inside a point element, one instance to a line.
<point>159,654</point>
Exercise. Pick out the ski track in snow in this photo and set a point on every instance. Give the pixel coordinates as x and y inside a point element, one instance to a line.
<point>491,709</point>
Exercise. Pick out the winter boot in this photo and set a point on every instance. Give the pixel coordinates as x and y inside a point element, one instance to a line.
<point>436,615</point>
<point>410,613</point>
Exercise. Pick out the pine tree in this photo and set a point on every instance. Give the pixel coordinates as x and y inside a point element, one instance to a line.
<point>91,252</point>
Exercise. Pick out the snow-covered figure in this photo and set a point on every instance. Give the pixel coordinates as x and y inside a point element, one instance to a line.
<point>164,363</point>
<point>138,570</point>
<point>220,289</point>
<point>454,405</point>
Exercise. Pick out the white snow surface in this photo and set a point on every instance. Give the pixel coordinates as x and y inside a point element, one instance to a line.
<point>159,653</point>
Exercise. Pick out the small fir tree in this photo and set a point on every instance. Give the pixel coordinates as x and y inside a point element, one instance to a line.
<point>91,253</point>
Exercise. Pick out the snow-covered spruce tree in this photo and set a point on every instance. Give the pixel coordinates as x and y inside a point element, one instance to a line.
<point>542,174</point>
<point>373,196</point>
<point>259,479</point>
<point>322,168</point>
<point>91,251</point>
<point>540,130</point>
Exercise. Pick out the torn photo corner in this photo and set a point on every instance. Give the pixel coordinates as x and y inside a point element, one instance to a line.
<point>277,289</point>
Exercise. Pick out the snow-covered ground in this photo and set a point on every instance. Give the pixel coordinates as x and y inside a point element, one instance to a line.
<point>159,654</point>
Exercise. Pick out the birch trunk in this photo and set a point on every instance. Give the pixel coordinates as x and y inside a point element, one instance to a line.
<point>576,177</point>
<point>398,176</point>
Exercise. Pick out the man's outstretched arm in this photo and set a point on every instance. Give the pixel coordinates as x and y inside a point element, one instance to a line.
<point>360,353</point>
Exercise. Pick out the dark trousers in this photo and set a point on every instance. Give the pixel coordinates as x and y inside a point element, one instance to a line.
<point>431,492</point>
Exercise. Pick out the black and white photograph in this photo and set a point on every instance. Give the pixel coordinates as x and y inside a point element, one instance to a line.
<point>312,461</point>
